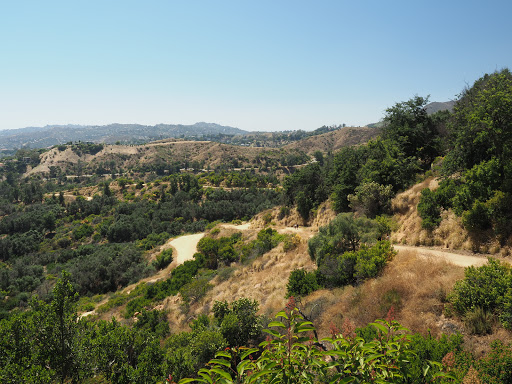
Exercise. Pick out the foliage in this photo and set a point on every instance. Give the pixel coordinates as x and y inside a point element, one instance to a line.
<point>301,283</point>
<point>371,199</point>
<point>163,259</point>
<point>154,321</point>
<point>344,233</point>
<point>105,268</point>
<point>294,355</point>
<point>485,289</point>
<point>355,266</point>
<point>238,321</point>
<point>478,321</point>
<point>153,240</point>
<point>195,290</point>
<point>307,188</point>
<point>408,124</point>
<point>480,157</point>
<point>481,127</point>
<point>496,367</point>
<point>429,210</point>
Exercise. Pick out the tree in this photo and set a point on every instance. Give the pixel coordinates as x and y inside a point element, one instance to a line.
<point>345,233</point>
<point>238,322</point>
<point>481,127</point>
<point>371,199</point>
<point>408,124</point>
<point>57,342</point>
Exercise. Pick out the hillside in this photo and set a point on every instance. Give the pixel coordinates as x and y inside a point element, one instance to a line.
<point>335,140</point>
<point>175,250</point>
<point>165,155</point>
<point>42,137</point>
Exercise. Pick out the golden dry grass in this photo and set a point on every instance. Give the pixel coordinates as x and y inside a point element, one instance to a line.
<point>450,233</point>
<point>263,279</point>
<point>415,287</point>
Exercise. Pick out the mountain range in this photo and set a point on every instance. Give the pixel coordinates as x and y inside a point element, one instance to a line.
<point>42,137</point>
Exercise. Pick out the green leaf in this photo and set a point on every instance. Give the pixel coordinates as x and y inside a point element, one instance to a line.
<point>222,373</point>
<point>221,362</point>
<point>257,375</point>
<point>184,381</point>
<point>271,332</point>
<point>223,354</point>
<point>248,352</point>
<point>282,314</point>
<point>276,324</point>
<point>380,327</point>
<point>206,376</point>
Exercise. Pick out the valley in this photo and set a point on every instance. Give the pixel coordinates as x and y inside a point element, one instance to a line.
<point>138,262</point>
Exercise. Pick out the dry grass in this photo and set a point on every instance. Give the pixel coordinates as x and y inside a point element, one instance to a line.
<point>415,287</point>
<point>264,280</point>
<point>320,217</point>
<point>450,233</point>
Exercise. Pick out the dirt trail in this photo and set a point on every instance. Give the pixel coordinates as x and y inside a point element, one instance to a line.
<point>451,257</point>
<point>185,247</point>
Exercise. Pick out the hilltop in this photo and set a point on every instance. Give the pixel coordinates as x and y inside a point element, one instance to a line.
<point>42,137</point>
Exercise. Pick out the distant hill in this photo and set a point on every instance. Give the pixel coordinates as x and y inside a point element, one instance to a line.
<point>431,108</point>
<point>42,137</point>
<point>334,140</point>
<point>439,106</point>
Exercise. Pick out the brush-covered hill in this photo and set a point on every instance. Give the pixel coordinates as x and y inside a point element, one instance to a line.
<point>166,156</point>
<point>335,140</point>
<point>171,155</point>
<point>43,137</point>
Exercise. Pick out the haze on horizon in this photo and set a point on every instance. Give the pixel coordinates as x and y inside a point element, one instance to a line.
<point>260,66</point>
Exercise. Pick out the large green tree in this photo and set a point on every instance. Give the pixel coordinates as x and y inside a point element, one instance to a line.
<point>481,127</point>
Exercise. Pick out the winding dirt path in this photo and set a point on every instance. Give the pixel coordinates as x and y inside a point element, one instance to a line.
<point>451,257</point>
<point>185,247</point>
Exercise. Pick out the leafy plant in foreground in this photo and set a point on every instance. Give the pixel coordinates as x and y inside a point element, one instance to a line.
<point>293,354</point>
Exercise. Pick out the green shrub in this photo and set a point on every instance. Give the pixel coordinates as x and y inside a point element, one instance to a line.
<point>478,321</point>
<point>484,292</point>
<point>429,210</point>
<point>163,259</point>
<point>496,366</point>
<point>85,230</point>
<point>301,283</point>
<point>195,290</point>
<point>345,233</point>
<point>483,287</point>
<point>356,266</point>
<point>371,198</point>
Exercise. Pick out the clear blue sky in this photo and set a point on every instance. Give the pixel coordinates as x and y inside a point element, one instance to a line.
<point>259,65</point>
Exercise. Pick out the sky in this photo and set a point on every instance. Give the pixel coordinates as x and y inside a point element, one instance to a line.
<point>256,65</point>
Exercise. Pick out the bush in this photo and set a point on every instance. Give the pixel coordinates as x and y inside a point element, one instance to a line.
<point>429,210</point>
<point>85,230</point>
<point>484,291</point>
<point>355,267</point>
<point>344,233</point>
<point>478,321</point>
<point>195,290</point>
<point>301,283</point>
<point>163,259</point>
<point>483,287</point>
<point>496,367</point>
<point>371,198</point>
